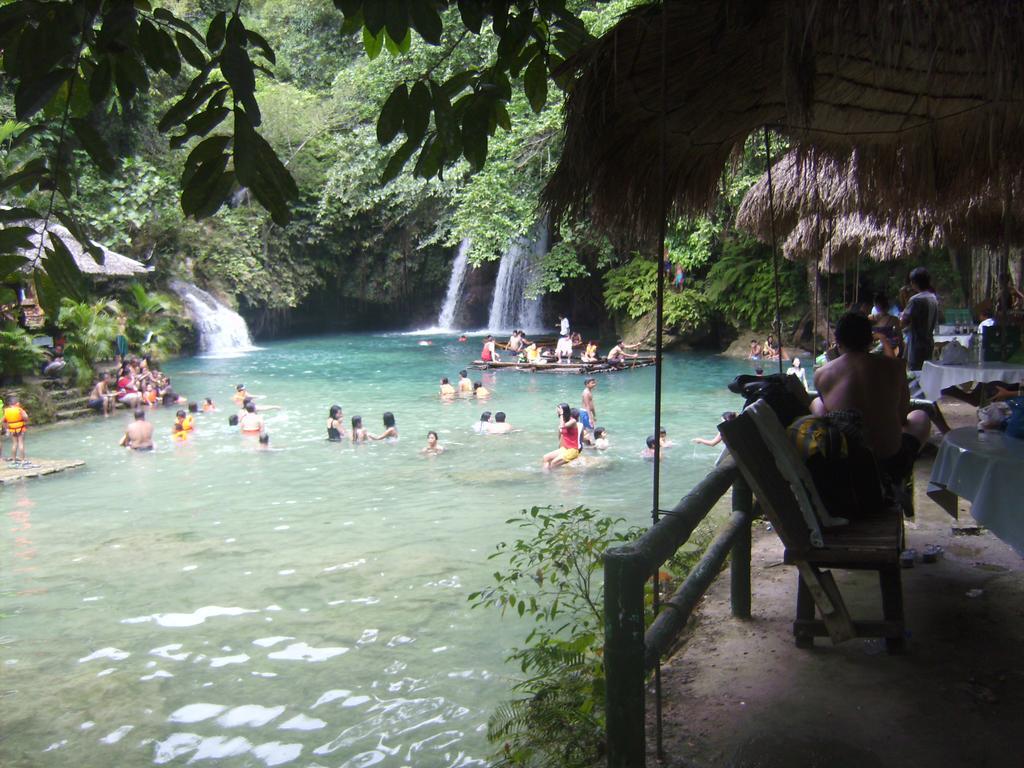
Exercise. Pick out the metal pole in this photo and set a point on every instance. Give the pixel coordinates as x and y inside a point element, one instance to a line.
<point>739,562</point>
<point>658,349</point>
<point>775,250</point>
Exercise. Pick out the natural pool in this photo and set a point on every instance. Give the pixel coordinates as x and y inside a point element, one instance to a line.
<point>304,606</point>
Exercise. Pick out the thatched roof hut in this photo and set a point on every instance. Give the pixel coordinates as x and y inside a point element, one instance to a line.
<point>838,242</point>
<point>113,264</point>
<point>815,189</point>
<point>930,94</point>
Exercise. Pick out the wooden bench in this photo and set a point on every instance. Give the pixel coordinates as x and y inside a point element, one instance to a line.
<point>873,541</point>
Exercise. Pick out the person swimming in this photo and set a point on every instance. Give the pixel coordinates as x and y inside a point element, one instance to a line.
<point>359,433</point>
<point>390,432</point>
<point>483,426</point>
<point>432,448</point>
<point>251,423</point>
<point>240,394</point>
<point>648,452</point>
<point>500,426</point>
<point>183,424</point>
<point>663,438</point>
<point>601,439</point>
<point>480,390</point>
<point>208,406</point>
<point>447,390</point>
<point>335,427</point>
<point>264,441</point>
<point>465,385</point>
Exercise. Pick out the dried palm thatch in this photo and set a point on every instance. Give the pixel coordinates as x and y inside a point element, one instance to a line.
<point>113,265</point>
<point>929,93</point>
<point>809,187</point>
<point>838,242</point>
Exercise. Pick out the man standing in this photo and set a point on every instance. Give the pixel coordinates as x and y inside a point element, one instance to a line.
<point>919,319</point>
<point>875,386</point>
<point>588,413</point>
<point>139,435</point>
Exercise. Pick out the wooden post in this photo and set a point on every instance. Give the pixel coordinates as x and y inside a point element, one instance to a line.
<point>624,574</point>
<point>739,562</point>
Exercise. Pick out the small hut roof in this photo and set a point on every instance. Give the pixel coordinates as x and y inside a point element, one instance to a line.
<point>114,264</point>
<point>838,242</point>
<point>807,186</point>
<point>929,93</point>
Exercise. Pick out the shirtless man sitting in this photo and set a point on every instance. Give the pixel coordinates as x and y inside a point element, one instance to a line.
<point>876,387</point>
<point>618,353</point>
<point>139,435</point>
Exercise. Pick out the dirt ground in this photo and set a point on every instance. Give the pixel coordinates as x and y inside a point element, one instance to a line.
<point>741,694</point>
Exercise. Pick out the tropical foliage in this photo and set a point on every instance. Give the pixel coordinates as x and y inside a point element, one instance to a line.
<point>551,576</point>
<point>91,329</point>
<point>18,355</point>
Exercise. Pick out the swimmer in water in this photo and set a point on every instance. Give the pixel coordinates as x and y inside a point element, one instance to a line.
<point>335,426</point>
<point>447,390</point>
<point>240,394</point>
<point>139,435</point>
<point>432,448</point>
<point>465,385</point>
<point>648,452</point>
<point>264,441</point>
<point>359,433</point>
<point>601,439</point>
<point>208,406</point>
<point>483,427</point>
<point>182,424</point>
<point>390,432</point>
<point>481,391</point>
<point>663,438</point>
<point>500,426</point>
<point>250,423</point>
<point>717,439</point>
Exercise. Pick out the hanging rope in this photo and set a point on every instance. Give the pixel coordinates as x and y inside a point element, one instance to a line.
<point>658,346</point>
<point>775,250</point>
<point>856,282</point>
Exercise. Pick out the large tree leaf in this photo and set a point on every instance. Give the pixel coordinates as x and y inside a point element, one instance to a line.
<point>535,83</point>
<point>32,95</point>
<point>215,32</point>
<point>427,21</point>
<point>417,113</point>
<point>94,144</point>
<point>260,169</point>
<point>392,115</point>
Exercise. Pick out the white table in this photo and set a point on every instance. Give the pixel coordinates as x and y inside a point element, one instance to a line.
<point>935,377</point>
<point>988,470</point>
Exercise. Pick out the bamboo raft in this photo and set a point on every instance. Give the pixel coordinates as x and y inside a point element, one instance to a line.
<point>10,474</point>
<point>599,367</point>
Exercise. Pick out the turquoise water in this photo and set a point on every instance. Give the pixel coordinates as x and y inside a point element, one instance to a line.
<point>304,605</point>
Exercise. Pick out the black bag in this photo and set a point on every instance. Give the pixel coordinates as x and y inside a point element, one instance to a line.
<point>784,394</point>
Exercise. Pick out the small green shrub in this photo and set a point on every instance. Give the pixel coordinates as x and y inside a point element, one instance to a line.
<point>89,332</point>
<point>18,355</point>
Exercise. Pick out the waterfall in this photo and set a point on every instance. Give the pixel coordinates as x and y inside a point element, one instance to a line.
<point>449,309</point>
<point>510,308</point>
<point>222,331</point>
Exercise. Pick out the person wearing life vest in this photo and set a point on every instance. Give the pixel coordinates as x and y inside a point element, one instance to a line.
<point>183,424</point>
<point>16,422</point>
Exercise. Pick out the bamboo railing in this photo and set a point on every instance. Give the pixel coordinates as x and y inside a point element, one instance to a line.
<point>630,653</point>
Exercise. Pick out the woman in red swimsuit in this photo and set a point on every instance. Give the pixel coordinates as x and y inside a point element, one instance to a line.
<point>568,439</point>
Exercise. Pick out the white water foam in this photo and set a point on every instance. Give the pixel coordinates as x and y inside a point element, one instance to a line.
<point>198,616</point>
<point>222,331</point>
<point>304,652</point>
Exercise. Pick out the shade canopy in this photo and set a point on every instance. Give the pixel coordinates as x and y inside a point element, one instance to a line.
<point>838,242</point>
<point>929,94</point>
<point>815,191</point>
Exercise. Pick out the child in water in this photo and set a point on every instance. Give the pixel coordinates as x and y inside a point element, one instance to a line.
<point>359,433</point>
<point>208,406</point>
<point>648,452</point>
<point>433,448</point>
<point>601,439</point>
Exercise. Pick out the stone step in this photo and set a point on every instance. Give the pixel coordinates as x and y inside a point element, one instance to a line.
<point>75,413</point>
<point>71,403</point>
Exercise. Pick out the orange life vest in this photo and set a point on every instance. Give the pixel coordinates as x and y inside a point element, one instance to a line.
<point>15,417</point>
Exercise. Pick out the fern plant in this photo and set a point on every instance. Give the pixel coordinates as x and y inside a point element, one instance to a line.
<point>155,321</point>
